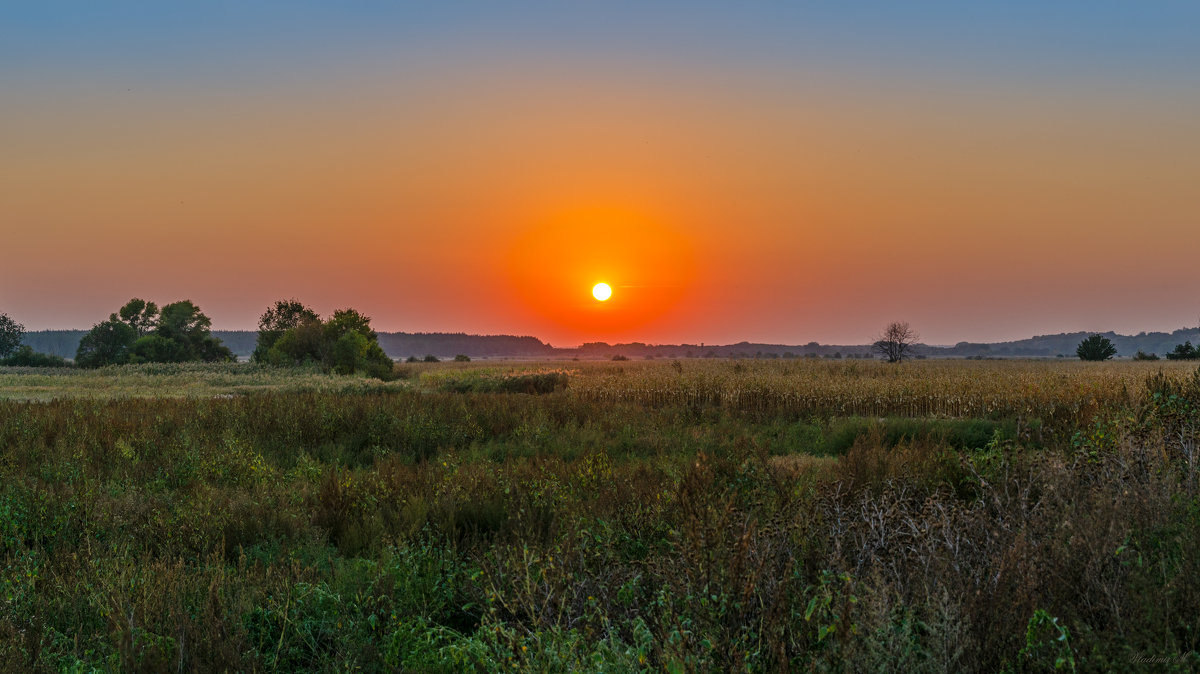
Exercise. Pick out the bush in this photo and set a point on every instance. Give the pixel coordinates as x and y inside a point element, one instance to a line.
<point>462,358</point>
<point>25,356</point>
<point>430,358</point>
<point>1142,355</point>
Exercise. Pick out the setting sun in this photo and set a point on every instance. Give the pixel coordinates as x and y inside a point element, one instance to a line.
<point>601,291</point>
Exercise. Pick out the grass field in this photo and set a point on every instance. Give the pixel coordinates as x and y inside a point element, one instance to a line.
<point>695,515</point>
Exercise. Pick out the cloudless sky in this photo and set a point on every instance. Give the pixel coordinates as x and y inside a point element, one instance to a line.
<point>770,172</point>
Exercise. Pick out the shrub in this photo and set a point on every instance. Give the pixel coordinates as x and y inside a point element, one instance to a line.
<point>462,358</point>
<point>430,358</point>
<point>25,356</point>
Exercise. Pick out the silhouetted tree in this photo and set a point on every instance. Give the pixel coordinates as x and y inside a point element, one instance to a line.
<point>11,333</point>
<point>897,342</point>
<point>1184,351</point>
<point>181,332</point>
<point>139,315</point>
<point>107,343</point>
<point>1096,347</point>
<point>184,323</point>
<point>278,319</point>
<point>292,334</point>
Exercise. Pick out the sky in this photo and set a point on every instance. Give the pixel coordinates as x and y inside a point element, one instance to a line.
<point>771,172</point>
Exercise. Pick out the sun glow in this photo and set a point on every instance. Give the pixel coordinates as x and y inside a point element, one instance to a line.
<point>601,291</point>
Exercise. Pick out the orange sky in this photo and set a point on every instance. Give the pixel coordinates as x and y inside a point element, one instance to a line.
<point>488,192</point>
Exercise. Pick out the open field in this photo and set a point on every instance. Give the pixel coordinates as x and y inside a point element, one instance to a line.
<point>690,515</point>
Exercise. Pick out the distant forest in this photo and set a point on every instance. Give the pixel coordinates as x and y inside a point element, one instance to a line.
<point>401,345</point>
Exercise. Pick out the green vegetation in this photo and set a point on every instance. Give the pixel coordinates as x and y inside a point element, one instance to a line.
<point>1096,347</point>
<point>292,334</point>
<point>11,333</point>
<point>771,515</point>
<point>25,356</point>
<point>139,333</point>
<point>1184,351</point>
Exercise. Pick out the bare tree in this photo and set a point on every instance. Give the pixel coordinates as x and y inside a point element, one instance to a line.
<point>898,341</point>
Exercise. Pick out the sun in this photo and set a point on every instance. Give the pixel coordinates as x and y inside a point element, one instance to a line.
<point>601,291</point>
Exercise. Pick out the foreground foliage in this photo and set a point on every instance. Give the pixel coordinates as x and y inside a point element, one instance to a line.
<point>689,517</point>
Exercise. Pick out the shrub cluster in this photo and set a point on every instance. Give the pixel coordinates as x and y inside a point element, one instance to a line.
<point>292,334</point>
<point>25,356</point>
<point>140,333</point>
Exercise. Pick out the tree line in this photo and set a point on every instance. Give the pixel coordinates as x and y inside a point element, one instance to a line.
<point>289,333</point>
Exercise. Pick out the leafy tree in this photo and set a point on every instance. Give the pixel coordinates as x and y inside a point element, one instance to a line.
<point>1096,347</point>
<point>11,333</point>
<point>292,334</point>
<point>349,320</point>
<point>349,351</point>
<point>184,323</point>
<point>139,315</point>
<point>1184,351</point>
<point>140,333</point>
<point>157,349</point>
<point>108,343</point>
<point>277,320</point>
<point>897,342</point>
<point>302,344</point>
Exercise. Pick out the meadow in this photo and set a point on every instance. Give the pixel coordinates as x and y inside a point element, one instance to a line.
<point>679,516</point>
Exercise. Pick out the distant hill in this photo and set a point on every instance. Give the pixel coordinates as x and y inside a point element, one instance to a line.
<point>1065,343</point>
<point>401,345</point>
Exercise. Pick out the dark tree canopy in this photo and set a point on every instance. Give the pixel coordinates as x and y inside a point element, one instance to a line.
<point>292,334</point>
<point>897,342</point>
<point>108,343</point>
<point>1184,351</point>
<point>139,333</point>
<point>11,333</point>
<point>25,356</point>
<point>139,315</point>
<point>278,319</point>
<point>1096,347</point>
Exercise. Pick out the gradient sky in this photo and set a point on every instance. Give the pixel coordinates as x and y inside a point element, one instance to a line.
<point>769,173</point>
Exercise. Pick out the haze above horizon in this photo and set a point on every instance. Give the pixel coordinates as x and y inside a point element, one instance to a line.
<point>781,175</point>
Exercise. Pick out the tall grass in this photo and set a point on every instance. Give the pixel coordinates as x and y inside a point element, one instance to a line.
<point>644,517</point>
